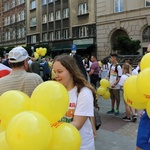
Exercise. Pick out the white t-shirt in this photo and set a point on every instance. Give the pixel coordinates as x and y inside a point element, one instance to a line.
<point>114,75</point>
<point>82,105</point>
<point>123,78</point>
<point>134,72</point>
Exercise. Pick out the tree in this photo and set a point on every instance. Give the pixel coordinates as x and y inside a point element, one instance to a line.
<point>127,46</point>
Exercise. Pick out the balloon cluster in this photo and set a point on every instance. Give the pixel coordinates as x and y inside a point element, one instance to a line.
<point>103,90</point>
<point>40,52</point>
<point>32,123</point>
<point>137,87</point>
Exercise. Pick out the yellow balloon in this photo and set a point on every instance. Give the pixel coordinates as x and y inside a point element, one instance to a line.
<point>134,104</point>
<point>51,99</point>
<point>3,143</point>
<point>100,63</point>
<point>1,128</point>
<point>64,136</point>
<point>104,83</point>
<point>145,62</point>
<point>11,103</point>
<point>131,90</point>
<point>101,90</point>
<point>143,82</point>
<point>28,131</point>
<point>148,109</point>
<point>106,95</point>
<point>36,55</point>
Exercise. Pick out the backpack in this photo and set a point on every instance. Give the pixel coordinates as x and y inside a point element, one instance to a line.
<point>116,69</point>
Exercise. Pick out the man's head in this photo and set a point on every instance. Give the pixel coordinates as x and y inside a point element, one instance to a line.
<point>18,57</point>
<point>113,57</point>
<point>93,58</point>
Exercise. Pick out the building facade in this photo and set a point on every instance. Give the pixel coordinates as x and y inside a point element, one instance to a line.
<point>62,23</point>
<point>13,24</point>
<point>122,17</point>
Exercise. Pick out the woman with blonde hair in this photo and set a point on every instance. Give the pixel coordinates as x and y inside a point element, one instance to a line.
<point>126,70</point>
<point>82,96</point>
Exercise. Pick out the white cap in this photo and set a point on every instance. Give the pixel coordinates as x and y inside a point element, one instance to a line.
<point>17,54</point>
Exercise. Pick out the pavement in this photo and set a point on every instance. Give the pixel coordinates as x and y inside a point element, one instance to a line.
<point>114,133</point>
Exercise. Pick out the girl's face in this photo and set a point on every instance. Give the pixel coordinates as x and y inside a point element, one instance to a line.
<point>62,75</point>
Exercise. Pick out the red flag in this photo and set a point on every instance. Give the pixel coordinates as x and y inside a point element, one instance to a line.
<point>4,70</point>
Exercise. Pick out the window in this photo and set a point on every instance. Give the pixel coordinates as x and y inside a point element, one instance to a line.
<point>44,18</point>
<point>5,7</point>
<point>13,3</point>
<point>33,4</point>
<point>66,13</point>
<point>18,2</point>
<point>58,35</point>
<point>23,32</point>
<point>58,15</point>
<point>22,15</point>
<point>13,18</point>
<point>18,17</point>
<point>66,33</point>
<point>51,1</point>
<point>118,5</point>
<point>14,34</point>
<point>5,22</point>
<point>83,31</point>
<point>44,2</point>
<point>83,9</point>
<point>44,37</point>
<point>33,21</point>
<point>8,20</point>
<point>7,35</point>
<point>147,3</point>
<point>22,1</point>
<point>51,36</point>
<point>33,39</point>
<point>51,16</point>
<point>19,33</point>
<point>146,35</point>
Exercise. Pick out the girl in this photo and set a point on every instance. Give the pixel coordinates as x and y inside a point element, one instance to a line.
<point>126,69</point>
<point>81,95</point>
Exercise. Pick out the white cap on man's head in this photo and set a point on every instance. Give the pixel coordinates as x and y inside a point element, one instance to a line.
<point>18,54</point>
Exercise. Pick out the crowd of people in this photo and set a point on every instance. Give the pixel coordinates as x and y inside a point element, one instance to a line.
<point>80,78</point>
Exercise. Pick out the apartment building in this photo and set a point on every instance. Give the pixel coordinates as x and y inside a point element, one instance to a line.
<point>13,25</point>
<point>62,23</point>
<point>122,17</point>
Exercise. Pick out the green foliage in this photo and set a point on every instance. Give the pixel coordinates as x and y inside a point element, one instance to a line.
<point>2,49</point>
<point>127,46</point>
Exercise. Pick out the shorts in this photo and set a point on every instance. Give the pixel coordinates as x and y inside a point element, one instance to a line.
<point>115,94</point>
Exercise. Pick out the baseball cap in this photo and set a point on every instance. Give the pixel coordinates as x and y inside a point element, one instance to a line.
<point>114,54</point>
<point>17,54</point>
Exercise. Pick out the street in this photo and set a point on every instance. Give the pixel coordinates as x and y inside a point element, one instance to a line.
<point>114,133</point>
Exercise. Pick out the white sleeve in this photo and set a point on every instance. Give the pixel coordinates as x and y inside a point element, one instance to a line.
<point>119,71</point>
<point>85,105</point>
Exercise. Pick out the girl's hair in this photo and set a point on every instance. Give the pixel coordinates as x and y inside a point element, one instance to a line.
<point>127,68</point>
<point>79,80</point>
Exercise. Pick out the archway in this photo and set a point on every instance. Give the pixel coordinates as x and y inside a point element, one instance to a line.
<point>114,38</point>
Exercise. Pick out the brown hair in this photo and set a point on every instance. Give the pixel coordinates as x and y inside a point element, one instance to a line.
<point>79,80</point>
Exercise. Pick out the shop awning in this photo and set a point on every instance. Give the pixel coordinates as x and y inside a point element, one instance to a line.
<point>67,47</point>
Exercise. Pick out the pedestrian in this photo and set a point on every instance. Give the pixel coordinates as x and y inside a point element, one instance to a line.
<point>105,68</point>
<point>19,78</point>
<point>115,72</point>
<point>94,70</point>
<point>81,95</point>
<point>6,61</point>
<point>46,69</point>
<point>35,66</point>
